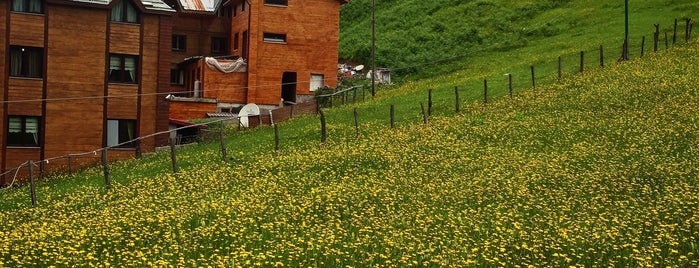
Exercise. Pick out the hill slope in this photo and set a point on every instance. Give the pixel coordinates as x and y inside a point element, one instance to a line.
<point>599,170</point>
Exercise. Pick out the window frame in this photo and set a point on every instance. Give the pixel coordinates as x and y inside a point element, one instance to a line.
<point>274,38</point>
<point>26,6</point>
<point>281,3</point>
<point>177,74</point>
<point>23,132</point>
<point>25,61</point>
<point>236,41</point>
<point>216,42</point>
<point>125,12</point>
<point>179,42</point>
<point>122,69</point>
<point>122,125</point>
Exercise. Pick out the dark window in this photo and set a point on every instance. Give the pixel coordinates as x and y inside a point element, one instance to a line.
<point>242,6</point>
<point>29,6</point>
<point>236,39</point>
<point>219,45</point>
<point>277,2</point>
<point>26,61</point>
<point>121,133</point>
<point>244,53</point>
<point>235,11</point>
<point>224,12</point>
<point>176,77</point>
<point>274,38</point>
<point>123,68</point>
<point>125,11</point>
<point>179,42</point>
<point>23,131</point>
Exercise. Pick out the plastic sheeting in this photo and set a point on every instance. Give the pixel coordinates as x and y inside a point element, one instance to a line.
<point>227,67</point>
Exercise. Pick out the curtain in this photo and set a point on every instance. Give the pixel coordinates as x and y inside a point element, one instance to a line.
<point>34,62</point>
<point>131,14</point>
<point>130,69</point>
<point>35,6</point>
<point>18,5</point>
<point>115,68</point>
<point>32,129</point>
<point>118,11</point>
<point>131,129</point>
<point>15,125</point>
<point>16,62</point>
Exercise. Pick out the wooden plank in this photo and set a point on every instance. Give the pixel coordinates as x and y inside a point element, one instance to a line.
<point>27,29</point>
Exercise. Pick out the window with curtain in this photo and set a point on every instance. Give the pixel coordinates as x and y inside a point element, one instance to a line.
<point>123,68</point>
<point>26,61</point>
<point>121,133</point>
<point>29,6</point>
<point>125,11</point>
<point>23,131</point>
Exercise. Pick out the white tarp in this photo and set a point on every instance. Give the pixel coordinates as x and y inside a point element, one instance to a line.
<point>227,67</point>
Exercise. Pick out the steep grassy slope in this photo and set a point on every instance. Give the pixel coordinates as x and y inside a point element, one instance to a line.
<point>425,38</point>
<point>597,170</point>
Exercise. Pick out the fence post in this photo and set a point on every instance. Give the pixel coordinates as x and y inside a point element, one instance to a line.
<point>643,45</point>
<point>429,103</point>
<point>70,165</point>
<point>323,133</point>
<point>458,99</point>
<point>393,116</point>
<point>582,61</point>
<point>31,179</point>
<point>276,138</point>
<point>41,170</point>
<point>291,111</point>
<point>666,45</point>
<point>533,77</point>
<point>105,167</point>
<point>424,116</point>
<point>625,50</point>
<point>686,30</point>
<point>656,37</point>
<point>224,153</point>
<point>356,122</point>
<point>691,26</point>
<point>173,156</point>
<point>485,91</point>
<point>601,56</point>
<point>138,149</point>
<point>354,95</point>
<point>560,69</point>
<point>509,77</point>
<point>674,33</point>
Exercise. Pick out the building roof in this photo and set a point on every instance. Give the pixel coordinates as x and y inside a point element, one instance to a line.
<point>200,5</point>
<point>149,5</point>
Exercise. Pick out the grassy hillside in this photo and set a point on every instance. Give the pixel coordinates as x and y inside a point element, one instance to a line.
<point>426,38</point>
<point>597,170</point>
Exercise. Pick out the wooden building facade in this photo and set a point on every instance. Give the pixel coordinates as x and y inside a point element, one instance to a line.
<point>81,75</point>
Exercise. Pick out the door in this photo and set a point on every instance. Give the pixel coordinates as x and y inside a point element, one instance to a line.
<point>289,86</point>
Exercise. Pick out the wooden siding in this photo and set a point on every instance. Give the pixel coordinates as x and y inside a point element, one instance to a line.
<point>312,31</point>
<point>124,38</point>
<point>20,156</point>
<point>199,29</point>
<point>123,102</point>
<point>149,81</point>
<point>187,110</point>
<point>27,29</point>
<point>162,106</point>
<point>3,78</point>
<point>25,89</point>
<point>75,69</point>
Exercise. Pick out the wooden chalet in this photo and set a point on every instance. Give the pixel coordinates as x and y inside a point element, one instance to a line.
<point>285,50</point>
<point>80,75</point>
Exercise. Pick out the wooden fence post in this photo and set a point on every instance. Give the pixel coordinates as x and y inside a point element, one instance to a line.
<point>173,156</point>
<point>424,116</point>
<point>291,111</point>
<point>393,116</point>
<point>31,179</point>
<point>105,167</point>
<point>601,56</point>
<point>656,38</point>
<point>691,26</point>
<point>276,138</point>
<point>686,30</point>
<point>674,33</point>
<point>560,69</point>
<point>70,165</point>
<point>224,152</point>
<point>643,45</point>
<point>533,77</point>
<point>323,133</point>
<point>666,43</point>
<point>509,77</point>
<point>458,100</point>
<point>356,122</point>
<point>485,91</point>
<point>582,61</point>
<point>429,102</point>
<point>41,170</point>
<point>354,95</point>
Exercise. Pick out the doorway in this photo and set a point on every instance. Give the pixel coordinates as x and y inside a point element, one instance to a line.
<point>289,86</point>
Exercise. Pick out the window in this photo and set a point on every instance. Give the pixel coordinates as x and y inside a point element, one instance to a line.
<point>121,131</point>
<point>29,6</point>
<point>23,131</point>
<point>242,6</point>
<point>26,61</point>
<point>274,38</point>
<point>176,77</point>
<point>122,68</point>
<point>317,81</point>
<point>244,53</point>
<point>236,39</point>
<point>125,11</point>
<point>224,12</point>
<point>179,42</point>
<point>277,2</point>
<point>219,45</point>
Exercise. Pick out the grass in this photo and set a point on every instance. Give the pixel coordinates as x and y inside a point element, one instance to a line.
<point>597,170</point>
